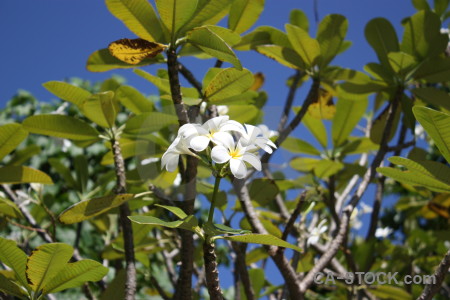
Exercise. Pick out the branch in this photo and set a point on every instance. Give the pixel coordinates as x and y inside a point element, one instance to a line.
<point>242,269</point>
<point>290,99</point>
<point>294,216</point>
<point>211,271</point>
<point>432,288</point>
<point>190,77</point>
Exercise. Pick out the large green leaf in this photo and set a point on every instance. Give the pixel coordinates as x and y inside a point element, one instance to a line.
<point>133,100</point>
<point>208,13</point>
<point>326,168</point>
<point>304,164</point>
<point>244,13</point>
<point>75,274</point>
<point>9,208</point>
<point>298,18</point>
<point>101,108</point>
<point>90,208</point>
<point>402,63</point>
<point>149,122</point>
<point>116,288</point>
<point>434,96</point>
<point>422,37</point>
<point>436,124</point>
<point>317,128</point>
<point>243,113</point>
<point>189,223</point>
<point>348,114</point>
<point>263,191</point>
<point>359,145</point>
<point>139,16</point>
<point>61,126</point>
<point>102,60</point>
<point>263,35</point>
<point>81,165</point>
<point>163,84</point>
<point>64,172</point>
<point>14,258</point>
<point>306,47</point>
<point>263,239</point>
<point>133,149</point>
<point>175,13</point>
<point>228,82</point>
<point>382,37</point>
<point>67,92</point>
<point>10,288</point>
<point>389,292</point>
<point>211,43</point>
<point>421,4</point>
<point>330,35</point>
<point>11,135</point>
<point>296,145</point>
<point>283,55</point>
<point>21,174</point>
<point>434,70</point>
<point>378,128</point>
<point>432,175</point>
<point>175,210</point>
<point>46,262</point>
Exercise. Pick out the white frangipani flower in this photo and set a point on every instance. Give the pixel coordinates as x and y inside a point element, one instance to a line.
<point>222,110</point>
<point>236,154</point>
<point>383,232</point>
<point>170,158</point>
<point>253,136</point>
<point>266,132</point>
<point>315,234</point>
<point>199,136</point>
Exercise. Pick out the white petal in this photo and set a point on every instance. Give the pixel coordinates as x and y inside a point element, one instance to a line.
<point>253,160</point>
<point>232,125</point>
<point>252,131</point>
<point>238,168</point>
<point>220,155</point>
<point>188,130</point>
<point>312,240</point>
<point>199,143</point>
<point>170,161</point>
<point>214,123</point>
<point>225,139</point>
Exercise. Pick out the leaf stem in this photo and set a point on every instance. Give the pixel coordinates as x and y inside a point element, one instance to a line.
<point>213,200</point>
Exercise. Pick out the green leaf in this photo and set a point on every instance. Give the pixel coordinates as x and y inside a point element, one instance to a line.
<point>243,113</point>
<point>436,124</point>
<point>14,258</point>
<point>317,128</point>
<point>422,37</point>
<point>298,18</point>
<point>382,37</point>
<point>307,47</point>
<point>263,35</point>
<point>75,274</point>
<point>263,191</point>
<point>326,168</point>
<point>102,60</point>
<point>389,292</point>
<point>67,92</point>
<point>434,70</point>
<point>21,156</point>
<point>432,175</point>
<point>330,35</point>
<point>10,288</point>
<point>189,223</point>
<point>11,135</point>
<point>401,62</point>
<point>244,13</point>
<point>175,210</point>
<point>46,262</point>
<point>133,100</point>
<point>163,84</point>
<point>90,208</point>
<point>359,145</point>
<point>283,55</point>
<point>61,126</point>
<point>81,170</point>
<point>209,42</point>
<point>228,82</point>
<point>9,208</point>
<point>64,172</point>
<point>223,229</point>
<point>421,4</point>
<point>440,7</point>
<point>304,164</point>
<point>149,122</point>
<point>101,108</point>
<point>433,96</point>
<point>208,12</point>
<point>116,288</point>
<point>296,145</point>
<point>21,174</point>
<point>132,149</point>
<point>175,13</point>
<point>139,16</point>
<point>263,239</point>
<point>348,114</point>
<point>379,125</point>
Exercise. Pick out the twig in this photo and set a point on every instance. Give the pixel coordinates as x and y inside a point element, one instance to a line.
<point>160,290</point>
<point>241,266</point>
<point>294,216</point>
<point>190,77</point>
<point>127,229</point>
<point>290,99</point>
<point>431,289</point>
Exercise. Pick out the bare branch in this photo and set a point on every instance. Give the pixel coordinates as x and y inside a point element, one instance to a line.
<point>290,99</point>
<point>431,289</point>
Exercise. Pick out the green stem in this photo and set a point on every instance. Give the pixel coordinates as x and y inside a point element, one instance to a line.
<point>213,200</point>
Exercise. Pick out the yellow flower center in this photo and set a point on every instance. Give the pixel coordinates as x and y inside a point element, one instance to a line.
<point>235,153</point>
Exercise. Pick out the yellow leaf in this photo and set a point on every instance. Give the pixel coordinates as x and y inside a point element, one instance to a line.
<point>134,51</point>
<point>259,81</point>
<point>324,107</point>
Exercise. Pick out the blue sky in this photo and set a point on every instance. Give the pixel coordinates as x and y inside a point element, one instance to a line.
<point>45,40</point>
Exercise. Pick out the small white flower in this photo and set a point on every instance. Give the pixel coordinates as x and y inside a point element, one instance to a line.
<point>199,136</point>
<point>366,209</point>
<point>254,136</point>
<point>266,132</point>
<point>383,232</point>
<point>222,110</point>
<point>236,154</point>
<point>66,145</point>
<point>170,158</point>
<point>315,234</point>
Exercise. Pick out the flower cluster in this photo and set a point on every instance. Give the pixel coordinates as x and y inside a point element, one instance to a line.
<point>232,144</point>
